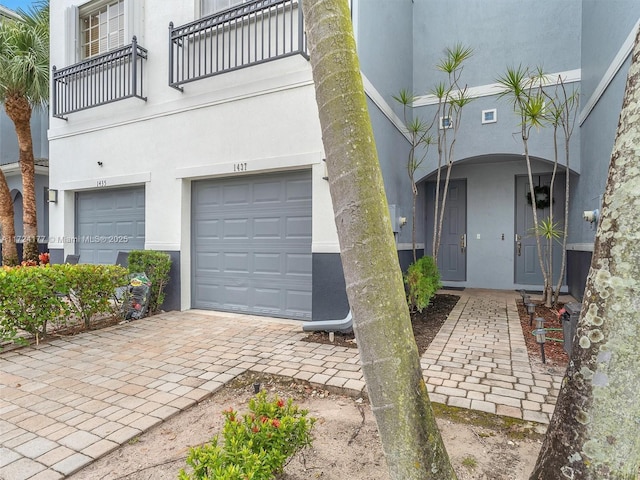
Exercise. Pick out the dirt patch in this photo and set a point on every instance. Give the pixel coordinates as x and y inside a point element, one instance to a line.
<point>426,325</point>
<point>554,353</point>
<point>346,442</point>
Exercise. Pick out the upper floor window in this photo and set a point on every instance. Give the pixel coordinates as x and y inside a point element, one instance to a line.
<point>208,7</point>
<point>102,28</point>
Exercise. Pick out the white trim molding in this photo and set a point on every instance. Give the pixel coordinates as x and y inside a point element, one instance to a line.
<point>569,76</point>
<point>609,75</point>
<point>580,247</point>
<point>249,166</point>
<point>384,107</point>
<point>105,182</point>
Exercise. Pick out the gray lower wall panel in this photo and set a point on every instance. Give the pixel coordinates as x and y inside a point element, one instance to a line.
<point>405,257</point>
<point>578,264</point>
<point>172,296</point>
<point>329,299</point>
<point>56,255</point>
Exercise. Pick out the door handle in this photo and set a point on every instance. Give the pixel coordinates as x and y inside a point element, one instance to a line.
<point>463,242</point>
<point>519,245</point>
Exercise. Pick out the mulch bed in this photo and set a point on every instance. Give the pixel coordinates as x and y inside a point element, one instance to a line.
<point>426,325</point>
<point>553,350</point>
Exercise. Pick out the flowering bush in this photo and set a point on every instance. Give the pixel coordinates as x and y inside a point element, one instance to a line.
<point>256,446</point>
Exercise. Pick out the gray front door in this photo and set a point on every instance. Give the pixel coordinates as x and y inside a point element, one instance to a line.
<point>527,264</point>
<point>109,221</point>
<point>252,244</point>
<point>452,255</point>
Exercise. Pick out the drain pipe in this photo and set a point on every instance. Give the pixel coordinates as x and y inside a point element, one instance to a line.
<point>343,325</point>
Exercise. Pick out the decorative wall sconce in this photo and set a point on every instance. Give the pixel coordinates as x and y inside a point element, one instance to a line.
<point>52,196</point>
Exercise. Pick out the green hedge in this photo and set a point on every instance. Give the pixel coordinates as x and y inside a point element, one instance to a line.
<point>32,297</point>
<point>156,266</point>
<point>422,280</point>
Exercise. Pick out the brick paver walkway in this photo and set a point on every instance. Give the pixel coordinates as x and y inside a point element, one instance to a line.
<point>72,400</point>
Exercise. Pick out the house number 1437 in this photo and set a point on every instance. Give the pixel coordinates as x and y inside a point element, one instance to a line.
<point>240,167</point>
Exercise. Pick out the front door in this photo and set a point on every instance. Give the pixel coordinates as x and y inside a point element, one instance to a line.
<point>452,255</point>
<point>527,264</point>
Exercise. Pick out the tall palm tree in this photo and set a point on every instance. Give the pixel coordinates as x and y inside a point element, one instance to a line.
<point>24,85</point>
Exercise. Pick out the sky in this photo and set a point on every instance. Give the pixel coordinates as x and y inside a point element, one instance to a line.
<point>15,4</point>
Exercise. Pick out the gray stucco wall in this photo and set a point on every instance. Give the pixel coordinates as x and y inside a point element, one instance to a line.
<point>606,25</point>
<point>385,44</point>
<point>501,32</point>
<point>14,182</point>
<point>501,36</point>
<point>9,152</point>
<point>490,215</point>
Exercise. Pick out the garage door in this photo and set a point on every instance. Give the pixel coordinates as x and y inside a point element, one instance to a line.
<point>109,221</point>
<point>252,244</point>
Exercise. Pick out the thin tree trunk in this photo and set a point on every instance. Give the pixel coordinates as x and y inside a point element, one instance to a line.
<point>534,209</point>
<point>19,111</point>
<point>594,430</point>
<point>9,250</point>
<point>390,363</point>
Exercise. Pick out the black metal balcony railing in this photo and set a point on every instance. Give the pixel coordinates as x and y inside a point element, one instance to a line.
<point>103,79</point>
<point>254,32</point>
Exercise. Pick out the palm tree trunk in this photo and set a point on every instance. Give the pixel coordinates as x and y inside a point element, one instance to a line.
<point>19,111</point>
<point>411,441</point>
<point>9,250</point>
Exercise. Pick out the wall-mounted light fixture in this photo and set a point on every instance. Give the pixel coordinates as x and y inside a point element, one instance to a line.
<point>591,216</point>
<point>52,196</point>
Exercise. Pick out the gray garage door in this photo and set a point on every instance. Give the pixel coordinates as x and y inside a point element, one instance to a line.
<point>109,221</point>
<point>252,244</point>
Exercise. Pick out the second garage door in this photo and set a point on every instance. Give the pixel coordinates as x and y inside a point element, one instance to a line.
<point>109,221</point>
<point>252,244</point>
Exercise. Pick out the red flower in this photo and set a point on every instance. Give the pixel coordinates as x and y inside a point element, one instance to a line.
<point>280,403</point>
<point>255,429</point>
<point>275,422</point>
<point>264,419</point>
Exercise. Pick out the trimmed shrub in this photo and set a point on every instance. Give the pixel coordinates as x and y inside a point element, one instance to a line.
<point>422,280</point>
<point>257,445</point>
<point>90,289</point>
<point>156,266</point>
<point>32,297</point>
<point>28,301</point>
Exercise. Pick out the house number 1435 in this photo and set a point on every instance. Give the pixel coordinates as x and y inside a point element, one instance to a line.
<point>240,167</point>
<point>101,183</point>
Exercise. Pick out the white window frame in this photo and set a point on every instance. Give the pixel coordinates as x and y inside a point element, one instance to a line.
<point>218,6</point>
<point>446,122</point>
<point>489,116</point>
<point>73,31</point>
<point>110,27</point>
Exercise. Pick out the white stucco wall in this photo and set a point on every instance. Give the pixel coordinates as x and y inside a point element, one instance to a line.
<point>258,119</point>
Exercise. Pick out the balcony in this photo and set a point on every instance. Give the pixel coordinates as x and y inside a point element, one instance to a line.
<point>102,79</point>
<point>255,32</point>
